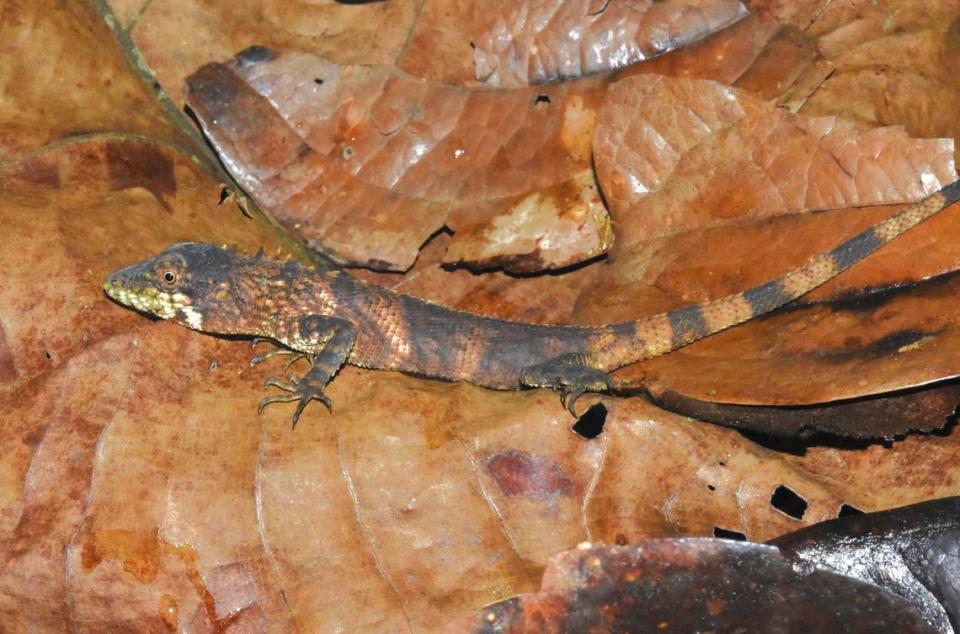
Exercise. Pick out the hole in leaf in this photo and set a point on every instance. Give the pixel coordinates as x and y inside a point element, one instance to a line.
<point>722,463</point>
<point>846,510</point>
<point>541,99</point>
<point>318,81</point>
<point>47,354</point>
<point>785,500</point>
<point>590,424</point>
<point>711,487</point>
<point>723,533</point>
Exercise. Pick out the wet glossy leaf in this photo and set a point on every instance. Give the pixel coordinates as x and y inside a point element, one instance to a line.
<point>693,586</point>
<point>914,552</point>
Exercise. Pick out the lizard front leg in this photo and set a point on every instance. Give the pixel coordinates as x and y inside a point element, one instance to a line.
<point>568,374</point>
<point>326,342</point>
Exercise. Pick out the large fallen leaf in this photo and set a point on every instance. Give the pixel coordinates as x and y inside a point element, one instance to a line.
<point>366,163</point>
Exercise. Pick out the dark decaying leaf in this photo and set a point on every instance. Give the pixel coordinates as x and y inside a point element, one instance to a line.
<point>885,416</point>
<point>536,41</point>
<point>366,163</point>
<point>913,551</point>
<point>693,585</point>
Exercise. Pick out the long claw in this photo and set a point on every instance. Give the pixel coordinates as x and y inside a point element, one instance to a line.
<point>296,357</point>
<point>286,387</point>
<point>571,403</point>
<point>263,356</point>
<point>296,413</point>
<point>276,398</point>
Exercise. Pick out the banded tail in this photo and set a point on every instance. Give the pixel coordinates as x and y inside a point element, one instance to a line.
<point>666,332</point>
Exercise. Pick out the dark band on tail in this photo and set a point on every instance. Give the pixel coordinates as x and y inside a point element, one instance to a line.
<point>856,248</point>
<point>762,298</point>
<point>688,325</point>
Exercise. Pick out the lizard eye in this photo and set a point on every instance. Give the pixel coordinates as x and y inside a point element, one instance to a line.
<point>170,278</point>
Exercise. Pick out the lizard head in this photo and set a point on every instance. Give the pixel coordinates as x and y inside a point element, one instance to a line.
<point>201,286</point>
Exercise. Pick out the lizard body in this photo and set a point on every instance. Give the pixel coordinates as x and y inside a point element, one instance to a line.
<point>332,318</point>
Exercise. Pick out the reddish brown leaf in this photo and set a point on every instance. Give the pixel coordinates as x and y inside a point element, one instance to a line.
<point>537,41</point>
<point>723,57</point>
<point>366,163</point>
<point>493,293</point>
<point>815,163</point>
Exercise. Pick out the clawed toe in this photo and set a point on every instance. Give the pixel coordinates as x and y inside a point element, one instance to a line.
<point>569,379</point>
<point>277,398</point>
<point>294,356</point>
<point>303,391</point>
<point>277,383</point>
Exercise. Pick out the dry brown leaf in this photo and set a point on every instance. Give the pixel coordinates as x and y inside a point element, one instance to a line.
<point>366,163</point>
<point>725,57</point>
<point>71,99</point>
<point>896,63</point>
<point>175,37</point>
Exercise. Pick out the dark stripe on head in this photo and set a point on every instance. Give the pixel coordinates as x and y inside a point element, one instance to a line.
<point>688,324</point>
<point>766,297</point>
<point>856,248</point>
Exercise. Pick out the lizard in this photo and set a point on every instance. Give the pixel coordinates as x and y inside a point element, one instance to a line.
<point>331,318</point>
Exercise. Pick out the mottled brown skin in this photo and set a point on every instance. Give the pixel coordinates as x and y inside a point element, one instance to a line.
<point>331,318</point>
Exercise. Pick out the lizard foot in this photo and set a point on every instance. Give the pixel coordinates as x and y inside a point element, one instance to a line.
<point>564,375</point>
<point>303,390</point>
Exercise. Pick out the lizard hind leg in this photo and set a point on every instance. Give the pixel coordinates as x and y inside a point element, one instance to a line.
<point>569,375</point>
